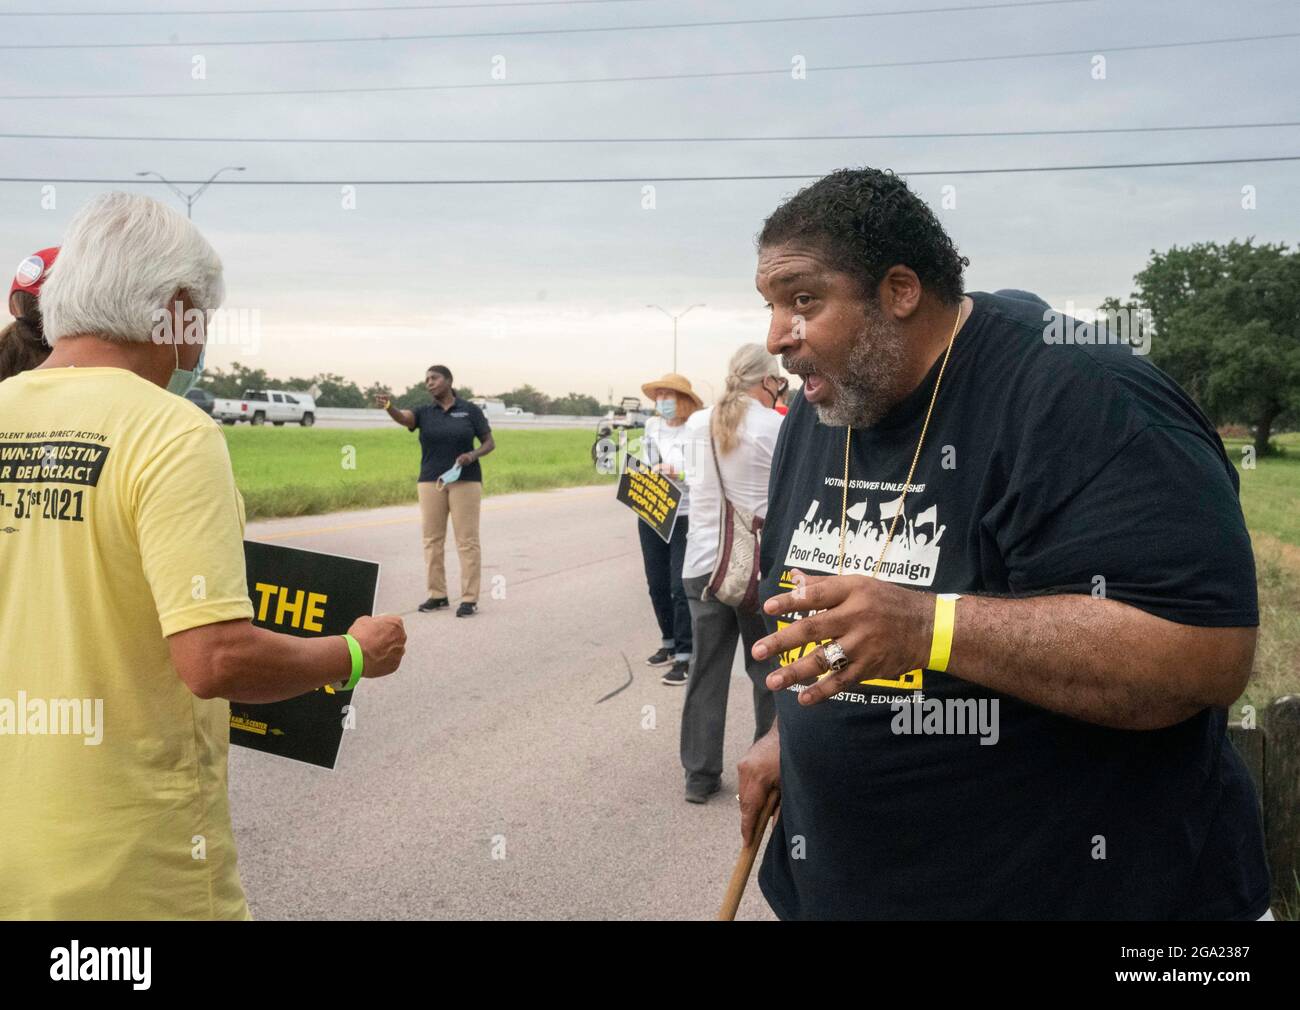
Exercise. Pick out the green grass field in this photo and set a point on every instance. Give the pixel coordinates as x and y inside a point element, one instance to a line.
<point>1270,498</point>
<point>1270,493</point>
<point>301,471</point>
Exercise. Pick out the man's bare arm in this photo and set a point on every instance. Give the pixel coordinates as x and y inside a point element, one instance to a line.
<point>1098,660</point>
<point>1093,659</point>
<point>242,662</point>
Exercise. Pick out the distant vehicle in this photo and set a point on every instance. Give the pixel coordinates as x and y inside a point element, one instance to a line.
<point>261,405</point>
<point>491,408</point>
<point>628,414</point>
<point>514,412</point>
<point>202,398</point>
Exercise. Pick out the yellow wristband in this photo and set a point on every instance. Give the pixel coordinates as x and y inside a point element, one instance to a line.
<point>945,614</point>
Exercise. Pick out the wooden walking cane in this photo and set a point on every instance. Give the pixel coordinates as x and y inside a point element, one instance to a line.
<point>745,863</point>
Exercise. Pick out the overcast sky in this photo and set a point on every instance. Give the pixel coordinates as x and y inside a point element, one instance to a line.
<point>549,283</point>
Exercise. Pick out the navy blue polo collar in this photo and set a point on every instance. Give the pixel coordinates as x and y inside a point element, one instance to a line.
<point>456,402</point>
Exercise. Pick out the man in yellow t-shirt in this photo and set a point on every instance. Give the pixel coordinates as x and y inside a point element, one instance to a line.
<point>124,608</point>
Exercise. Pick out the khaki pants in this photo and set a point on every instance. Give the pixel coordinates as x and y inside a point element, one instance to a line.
<point>461,501</point>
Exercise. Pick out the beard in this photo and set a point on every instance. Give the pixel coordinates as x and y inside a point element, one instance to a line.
<point>868,387</point>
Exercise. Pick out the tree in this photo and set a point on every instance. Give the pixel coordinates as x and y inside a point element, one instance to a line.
<point>231,385</point>
<point>1226,326</point>
<point>374,390</point>
<point>576,403</point>
<point>528,398</point>
<point>336,391</point>
<point>414,396</point>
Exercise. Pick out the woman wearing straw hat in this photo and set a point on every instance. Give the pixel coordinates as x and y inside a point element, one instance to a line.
<point>664,448</point>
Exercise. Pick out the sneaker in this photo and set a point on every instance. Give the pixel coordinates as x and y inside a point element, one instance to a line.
<point>434,603</point>
<point>701,794</point>
<point>466,609</point>
<point>660,658</point>
<point>676,677</point>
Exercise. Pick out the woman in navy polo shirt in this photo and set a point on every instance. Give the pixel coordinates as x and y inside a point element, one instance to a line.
<point>451,484</point>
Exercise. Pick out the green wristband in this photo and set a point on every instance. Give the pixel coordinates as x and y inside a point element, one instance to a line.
<point>358,661</point>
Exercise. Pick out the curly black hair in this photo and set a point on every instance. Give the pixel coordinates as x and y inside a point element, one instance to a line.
<point>866,220</point>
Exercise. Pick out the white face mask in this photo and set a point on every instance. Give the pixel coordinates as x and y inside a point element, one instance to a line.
<point>667,406</point>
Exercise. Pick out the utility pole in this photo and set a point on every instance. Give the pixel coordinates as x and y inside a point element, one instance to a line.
<point>674,318</point>
<point>189,198</point>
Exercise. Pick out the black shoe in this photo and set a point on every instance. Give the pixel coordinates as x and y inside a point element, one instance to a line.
<point>433,603</point>
<point>466,609</point>
<point>701,794</point>
<point>676,677</point>
<point>660,658</point>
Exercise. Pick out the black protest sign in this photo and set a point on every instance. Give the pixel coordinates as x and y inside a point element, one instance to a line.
<point>652,496</point>
<point>306,594</point>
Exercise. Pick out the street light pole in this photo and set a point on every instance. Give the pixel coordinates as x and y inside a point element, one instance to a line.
<point>674,318</point>
<point>189,198</point>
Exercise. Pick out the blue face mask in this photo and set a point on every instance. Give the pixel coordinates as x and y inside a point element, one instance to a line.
<point>183,379</point>
<point>667,407</point>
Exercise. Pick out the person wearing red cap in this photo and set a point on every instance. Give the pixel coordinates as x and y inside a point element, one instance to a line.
<point>22,342</point>
<point>124,595</point>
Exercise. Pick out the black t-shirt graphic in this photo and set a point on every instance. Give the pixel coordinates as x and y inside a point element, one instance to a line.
<point>445,434</point>
<point>1046,468</point>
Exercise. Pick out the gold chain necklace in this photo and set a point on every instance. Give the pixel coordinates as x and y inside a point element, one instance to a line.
<point>848,438</point>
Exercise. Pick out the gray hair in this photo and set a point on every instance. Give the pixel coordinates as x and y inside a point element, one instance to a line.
<point>122,261</point>
<point>749,366</point>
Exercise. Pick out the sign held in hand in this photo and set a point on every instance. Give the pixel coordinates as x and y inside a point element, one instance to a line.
<point>652,496</point>
<point>303,593</point>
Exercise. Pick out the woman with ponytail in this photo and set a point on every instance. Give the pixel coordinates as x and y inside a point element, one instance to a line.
<point>740,433</point>
<point>22,342</point>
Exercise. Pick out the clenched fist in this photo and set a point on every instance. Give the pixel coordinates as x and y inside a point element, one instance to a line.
<point>383,643</point>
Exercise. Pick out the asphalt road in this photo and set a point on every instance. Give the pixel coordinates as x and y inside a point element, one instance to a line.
<point>486,779</point>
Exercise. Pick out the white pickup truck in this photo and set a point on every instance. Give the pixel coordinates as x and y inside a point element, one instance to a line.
<point>261,405</point>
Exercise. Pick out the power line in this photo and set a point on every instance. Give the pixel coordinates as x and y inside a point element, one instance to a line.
<point>661,178</point>
<point>373,9</point>
<point>641,78</point>
<point>523,32</point>
<point>941,135</point>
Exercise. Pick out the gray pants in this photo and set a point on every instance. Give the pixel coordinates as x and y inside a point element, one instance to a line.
<point>716,627</point>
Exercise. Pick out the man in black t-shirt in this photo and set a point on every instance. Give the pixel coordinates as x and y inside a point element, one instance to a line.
<point>1050,743</point>
<point>450,484</point>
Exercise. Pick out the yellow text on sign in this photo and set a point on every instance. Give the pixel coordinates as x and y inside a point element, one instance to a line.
<point>302,609</point>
